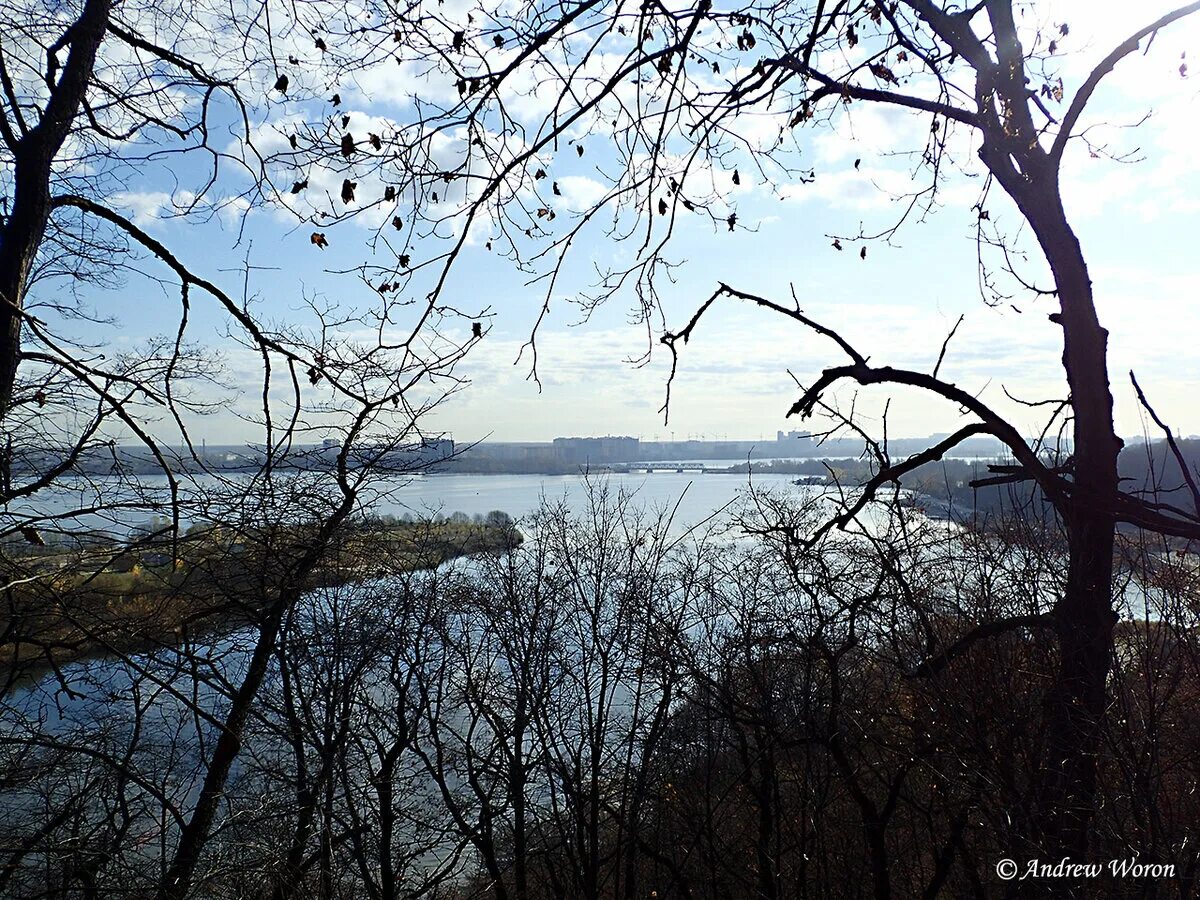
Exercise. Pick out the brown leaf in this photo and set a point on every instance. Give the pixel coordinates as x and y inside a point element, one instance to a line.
<point>737,178</point>
<point>397,222</point>
<point>404,260</point>
<point>476,329</point>
<point>837,245</point>
<point>336,99</point>
<point>557,192</point>
<point>460,38</point>
<point>579,149</point>
<point>281,84</point>
<point>389,194</point>
<point>862,254</point>
<point>883,73</point>
<point>292,141</point>
<point>348,188</point>
<point>731,221</point>
<point>313,375</point>
<point>662,206</point>
<point>543,212</point>
<point>539,174</point>
<point>375,140</point>
<point>345,121</point>
<point>317,239</point>
<point>498,41</point>
<point>320,45</point>
<point>299,186</point>
<point>348,147</point>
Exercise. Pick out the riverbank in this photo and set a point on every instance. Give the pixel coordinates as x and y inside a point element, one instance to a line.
<point>63,606</point>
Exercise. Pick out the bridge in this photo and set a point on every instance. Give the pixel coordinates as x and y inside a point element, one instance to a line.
<point>664,466</point>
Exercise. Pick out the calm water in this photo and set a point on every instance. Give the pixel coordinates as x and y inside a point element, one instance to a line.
<point>693,496</point>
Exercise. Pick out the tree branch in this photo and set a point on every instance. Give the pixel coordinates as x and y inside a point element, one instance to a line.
<point>1106,65</point>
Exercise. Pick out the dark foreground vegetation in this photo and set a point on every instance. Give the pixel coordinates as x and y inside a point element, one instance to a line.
<point>614,710</point>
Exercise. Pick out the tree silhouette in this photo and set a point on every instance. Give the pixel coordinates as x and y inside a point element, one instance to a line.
<point>663,91</point>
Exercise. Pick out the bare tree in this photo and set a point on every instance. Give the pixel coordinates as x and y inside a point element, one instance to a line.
<point>660,94</point>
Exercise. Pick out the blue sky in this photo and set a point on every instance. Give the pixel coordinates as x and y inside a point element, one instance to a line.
<point>1137,222</point>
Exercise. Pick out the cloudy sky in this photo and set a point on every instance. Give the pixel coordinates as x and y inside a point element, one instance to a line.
<point>1137,220</point>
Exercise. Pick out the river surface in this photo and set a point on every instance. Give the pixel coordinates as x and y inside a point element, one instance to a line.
<point>693,497</point>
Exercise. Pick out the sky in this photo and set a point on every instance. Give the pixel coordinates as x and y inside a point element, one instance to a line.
<point>1137,221</point>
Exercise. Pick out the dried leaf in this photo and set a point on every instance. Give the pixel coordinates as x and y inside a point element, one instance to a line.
<point>336,99</point>
<point>320,45</point>
<point>348,188</point>
<point>737,178</point>
<point>539,174</point>
<point>731,221</point>
<point>299,186</point>
<point>460,39</point>
<point>348,147</point>
<point>389,194</point>
<point>862,254</point>
<point>557,192</point>
<point>579,149</point>
<point>662,206</point>
<point>837,245</point>
<point>292,141</point>
<point>397,222</point>
<point>317,239</point>
<point>498,41</point>
<point>375,140</point>
<point>404,260</point>
<point>281,84</point>
<point>345,121</point>
<point>476,329</point>
<point>883,73</point>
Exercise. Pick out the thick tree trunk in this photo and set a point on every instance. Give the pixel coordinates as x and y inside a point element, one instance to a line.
<point>1084,614</point>
<point>33,158</point>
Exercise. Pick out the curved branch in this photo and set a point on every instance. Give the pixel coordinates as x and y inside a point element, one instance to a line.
<point>1051,484</point>
<point>1106,65</point>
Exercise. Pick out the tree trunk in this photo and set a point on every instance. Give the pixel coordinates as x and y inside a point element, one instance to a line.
<point>1084,614</point>
<point>33,158</point>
